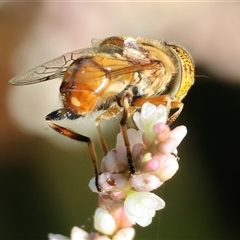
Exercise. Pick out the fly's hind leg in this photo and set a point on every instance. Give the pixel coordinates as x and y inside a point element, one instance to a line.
<point>107,115</point>
<point>58,115</point>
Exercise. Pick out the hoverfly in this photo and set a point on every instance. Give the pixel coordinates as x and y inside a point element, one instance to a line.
<point>116,74</point>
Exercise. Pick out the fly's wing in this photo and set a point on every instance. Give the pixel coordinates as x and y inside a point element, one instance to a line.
<point>49,70</point>
<point>135,60</point>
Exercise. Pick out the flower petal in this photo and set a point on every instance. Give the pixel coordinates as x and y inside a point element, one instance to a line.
<point>178,133</point>
<point>145,182</point>
<point>140,207</point>
<point>79,234</point>
<point>124,234</point>
<point>115,161</point>
<point>104,222</point>
<point>168,169</point>
<point>150,115</point>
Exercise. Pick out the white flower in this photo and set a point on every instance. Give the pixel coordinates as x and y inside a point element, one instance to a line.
<point>104,222</point>
<point>76,234</point>
<point>149,116</point>
<point>112,182</point>
<point>92,185</point>
<point>79,234</point>
<point>124,234</point>
<point>152,147</point>
<point>115,161</point>
<point>140,207</point>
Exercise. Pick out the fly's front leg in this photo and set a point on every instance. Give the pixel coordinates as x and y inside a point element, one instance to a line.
<point>58,115</point>
<point>174,116</point>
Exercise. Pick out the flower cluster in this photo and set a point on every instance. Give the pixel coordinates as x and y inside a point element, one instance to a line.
<point>126,199</point>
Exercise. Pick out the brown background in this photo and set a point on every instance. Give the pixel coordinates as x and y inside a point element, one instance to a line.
<point>44,177</point>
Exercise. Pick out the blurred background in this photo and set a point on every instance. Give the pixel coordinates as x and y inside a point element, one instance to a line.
<point>44,176</point>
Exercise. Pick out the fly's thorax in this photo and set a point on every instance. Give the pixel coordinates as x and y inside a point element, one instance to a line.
<point>153,61</point>
<point>161,76</point>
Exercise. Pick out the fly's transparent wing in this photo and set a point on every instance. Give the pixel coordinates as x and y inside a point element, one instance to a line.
<point>49,70</point>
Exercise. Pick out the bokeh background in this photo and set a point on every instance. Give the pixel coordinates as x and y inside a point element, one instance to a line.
<point>44,176</point>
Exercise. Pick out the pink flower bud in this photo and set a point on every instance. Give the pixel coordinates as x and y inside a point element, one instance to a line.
<point>167,169</point>
<point>145,182</point>
<point>115,161</point>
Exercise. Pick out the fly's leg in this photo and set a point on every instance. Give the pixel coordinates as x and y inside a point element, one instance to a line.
<point>109,114</point>
<point>57,115</point>
<point>174,116</point>
<point>124,102</point>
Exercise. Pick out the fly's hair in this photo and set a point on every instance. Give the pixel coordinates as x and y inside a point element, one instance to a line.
<point>106,103</point>
<point>133,90</point>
